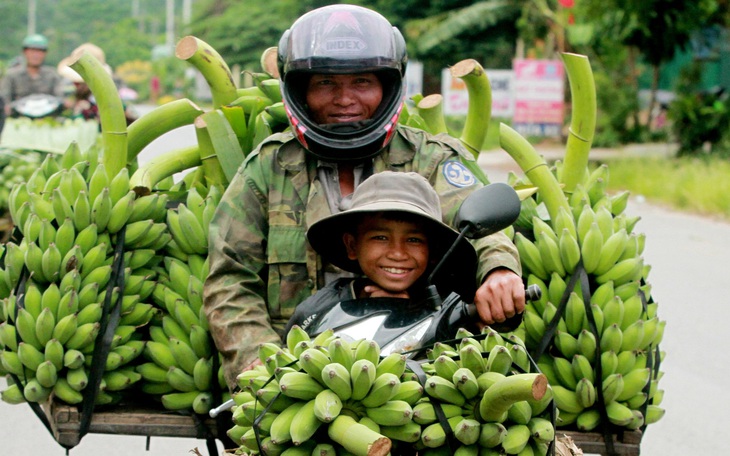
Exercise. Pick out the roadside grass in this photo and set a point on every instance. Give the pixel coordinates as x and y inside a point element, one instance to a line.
<point>700,186</point>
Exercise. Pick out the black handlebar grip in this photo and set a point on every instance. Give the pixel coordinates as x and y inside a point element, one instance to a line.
<point>533,293</point>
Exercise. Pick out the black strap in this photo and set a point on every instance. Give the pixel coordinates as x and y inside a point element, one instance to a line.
<point>109,321</point>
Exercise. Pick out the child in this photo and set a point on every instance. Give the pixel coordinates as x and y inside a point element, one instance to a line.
<point>391,237</point>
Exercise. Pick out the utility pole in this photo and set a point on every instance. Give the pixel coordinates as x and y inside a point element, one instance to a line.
<point>31,17</point>
<point>170,25</point>
<point>187,11</point>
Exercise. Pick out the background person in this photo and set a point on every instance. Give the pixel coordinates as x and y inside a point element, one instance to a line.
<point>342,73</point>
<point>32,77</point>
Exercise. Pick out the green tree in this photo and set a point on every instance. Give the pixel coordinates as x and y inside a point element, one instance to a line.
<point>241,31</point>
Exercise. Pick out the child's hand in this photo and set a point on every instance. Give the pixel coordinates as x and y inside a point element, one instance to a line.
<point>374,291</point>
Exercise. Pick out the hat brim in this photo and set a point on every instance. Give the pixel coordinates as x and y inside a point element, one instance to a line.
<point>457,274</point>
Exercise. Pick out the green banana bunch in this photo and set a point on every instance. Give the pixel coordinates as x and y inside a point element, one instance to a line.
<point>597,234</point>
<point>71,215</point>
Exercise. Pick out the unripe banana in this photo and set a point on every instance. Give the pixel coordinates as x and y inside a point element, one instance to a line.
<point>466,382</point>
<point>518,435</point>
<point>64,392</point>
<point>530,256</point>
<point>12,395</point>
<point>192,229</point>
<point>623,271</point>
<point>445,366</point>
<point>633,336</point>
<point>472,359</point>
<point>10,362</point>
<point>575,314</point>
<point>327,405</point>
<point>424,413</point>
<point>337,378</point>
<point>368,349</point>
<point>391,413</point>
<point>499,360</point>
<point>591,248</point>
<point>305,424</point>
<point>565,343</point>
<point>280,431</point>
<point>46,374</point>
<point>611,338</point>
<point>634,382</point>
<point>612,387</point>
<point>612,249</point>
<point>492,435</point>
<point>569,250</point>
<point>120,212</point>
<point>520,412</point>
<point>618,414</point>
<point>44,325</point>
<point>362,376</point>
<point>550,254</point>
<point>443,390</point>
<point>180,380</point>
<point>299,385</point>
<point>184,355</point>
<point>434,435</point>
<point>582,368</point>
<point>179,401</point>
<point>35,392</point>
<point>394,363</point>
<point>101,210</point>
<point>586,392</point>
<point>383,388</point>
<point>25,327</point>
<point>566,399</point>
<point>51,262</point>
<point>160,353</point>
<point>564,371</point>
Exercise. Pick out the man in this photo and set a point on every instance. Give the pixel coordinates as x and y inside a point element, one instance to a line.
<point>33,77</point>
<point>342,73</point>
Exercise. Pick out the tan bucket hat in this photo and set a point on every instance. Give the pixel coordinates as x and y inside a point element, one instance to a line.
<point>95,51</point>
<point>409,192</point>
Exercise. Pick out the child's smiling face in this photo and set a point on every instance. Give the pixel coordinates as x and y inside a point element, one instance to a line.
<point>392,253</point>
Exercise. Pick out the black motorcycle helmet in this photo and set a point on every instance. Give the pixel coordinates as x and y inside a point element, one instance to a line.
<point>339,39</point>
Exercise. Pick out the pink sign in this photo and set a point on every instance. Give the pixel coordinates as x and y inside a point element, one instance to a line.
<point>539,97</point>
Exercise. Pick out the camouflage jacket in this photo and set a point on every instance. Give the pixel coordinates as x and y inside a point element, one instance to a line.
<point>261,265</point>
<point>17,83</point>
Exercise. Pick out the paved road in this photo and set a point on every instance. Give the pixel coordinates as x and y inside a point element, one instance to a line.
<point>687,254</point>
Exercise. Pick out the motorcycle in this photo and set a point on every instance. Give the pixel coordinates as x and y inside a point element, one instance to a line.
<point>36,106</point>
<point>411,328</point>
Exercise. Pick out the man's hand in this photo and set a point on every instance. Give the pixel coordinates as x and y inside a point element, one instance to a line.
<point>500,297</point>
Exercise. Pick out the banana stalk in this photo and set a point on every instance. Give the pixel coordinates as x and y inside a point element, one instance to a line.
<point>583,120</point>
<point>535,168</point>
<point>162,166</point>
<point>430,109</point>
<point>111,112</point>
<point>215,139</point>
<point>155,123</point>
<point>480,103</point>
<point>212,66</point>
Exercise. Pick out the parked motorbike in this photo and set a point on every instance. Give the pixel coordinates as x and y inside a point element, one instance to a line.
<point>36,106</point>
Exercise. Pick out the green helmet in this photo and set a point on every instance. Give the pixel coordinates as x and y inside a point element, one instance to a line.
<point>35,41</point>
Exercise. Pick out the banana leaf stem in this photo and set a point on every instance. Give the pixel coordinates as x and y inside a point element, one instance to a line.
<point>479,111</point>
<point>111,112</point>
<point>162,166</point>
<point>160,120</point>
<point>430,108</point>
<point>535,168</point>
<point>583,119</point>
<point>211,65</point>
<point>212,169</point>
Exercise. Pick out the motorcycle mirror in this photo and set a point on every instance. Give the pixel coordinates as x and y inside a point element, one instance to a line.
<point>492,208</point>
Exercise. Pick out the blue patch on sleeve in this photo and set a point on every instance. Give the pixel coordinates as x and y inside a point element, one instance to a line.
<point>457,174</point>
